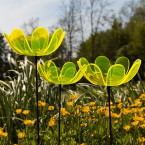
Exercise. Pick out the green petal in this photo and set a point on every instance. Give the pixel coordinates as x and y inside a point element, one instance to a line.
<point>55,41</point>
<point>40,39</point>
<point>82,61</point>
<point>133,71</point>
<point>123,61</point>
<point>96,76</point>
<point>68,75</point>
<point>12,45</point>
<point>65,67</point>
<point>53,75</point>
<point>78,75</point>
<point>103,63</point>
<point>115,75</point>
<point>41,72</point>
<point>47,65</point>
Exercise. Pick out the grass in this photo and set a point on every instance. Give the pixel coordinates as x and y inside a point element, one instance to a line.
<point>84,120</point>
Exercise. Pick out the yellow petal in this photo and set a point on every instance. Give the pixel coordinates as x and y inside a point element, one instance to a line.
<point>133,71</point>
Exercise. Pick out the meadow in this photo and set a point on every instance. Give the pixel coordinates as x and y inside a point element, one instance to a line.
<point>84,111</point>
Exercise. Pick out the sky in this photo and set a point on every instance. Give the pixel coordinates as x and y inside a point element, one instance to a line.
<point>15,12</point>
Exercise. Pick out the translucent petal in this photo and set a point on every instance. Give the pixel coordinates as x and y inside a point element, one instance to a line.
<point>133,71</point>
<point>82,61</point>
<point>12,45</point>
<point>53,75</point>
<point>103,63</point>
<point>78,75</point>
<point>65,67</point>
<point>47,65</point>
<point>40,39</point>
<point>41,72</point>
<point>96,76</point>
<point>123,61</point>
<point>55,41</point>
<point>68,75</point>
<point>115,75</point>
<point>19,40</point>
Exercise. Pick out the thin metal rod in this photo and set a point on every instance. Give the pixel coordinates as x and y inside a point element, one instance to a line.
<point>110,124</point>
<point>37,100</point>
<point>59,113</point>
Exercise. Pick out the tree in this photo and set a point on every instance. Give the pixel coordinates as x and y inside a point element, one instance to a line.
<point>69,22</point>
<point>3,57</point>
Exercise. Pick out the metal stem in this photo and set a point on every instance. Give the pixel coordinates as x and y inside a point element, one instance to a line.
<point>37,100</point>
<point>110,124</point>
<point>59,113</point>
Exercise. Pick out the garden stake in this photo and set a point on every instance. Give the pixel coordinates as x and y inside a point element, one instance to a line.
<point>110,125</point>
<point>37,99</point>
<point>59,113</point>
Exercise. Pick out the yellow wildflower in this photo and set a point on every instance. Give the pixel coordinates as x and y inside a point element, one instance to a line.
<point>83,124</point>
<point>25,112</point>
<point>77,113</point>
<point>74,96</point>
<point>135,123</point>
<point>133,110</point>
<point>51,108</point>
<point>4,134</point>
<point>40,103</point>
<point>89,119</point>
<point>114,115</point>
<point>53,118</point>
<point>51,122</point>
<point>142,126</point>
<point>78,106</point>
<point>141,139</point>
<point>119,105</point>
<point>116,121</point>
<point>127,127</point>
<point>70,103</point>
<point>29,123</point>
<point>142,96</point>
<point>92,103</point>
<point>94,107</point>
<point>64,112</point>
<point>126,102</point>
<point>138,118</point>
<point>111,103</point>
<point>125,111</point>
<point>118,100</point>
<point>43,104</point>
<point>18,111</point>
<point>21,135</point>
<point>86,109</point>
<point>129,98</point>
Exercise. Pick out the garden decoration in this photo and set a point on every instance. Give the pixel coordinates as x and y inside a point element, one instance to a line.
<point>68,75</point>
<point>39,44</point>
<point>102,73</point>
